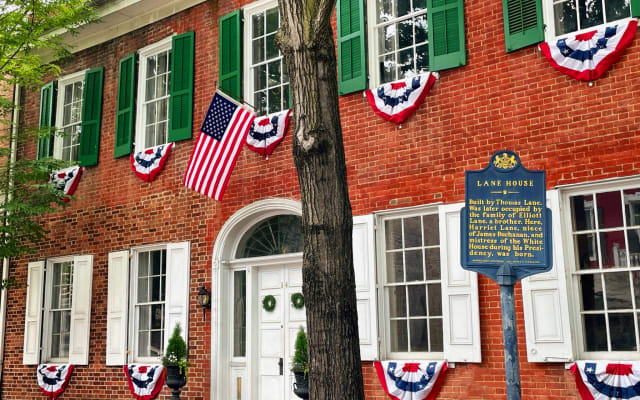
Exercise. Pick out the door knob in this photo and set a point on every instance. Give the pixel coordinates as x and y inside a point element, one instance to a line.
<point>281,365</point>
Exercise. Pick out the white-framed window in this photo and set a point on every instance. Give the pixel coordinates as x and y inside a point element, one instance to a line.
<point>154,78</point>
<point>148,286</point>
<point>398,33</point>
<point>58,310</point>
<point>68,116</point>
<point>148,293</point>
<point>567,16</point>
<point>410,277</point>
<point>267,81</point>
<point>603,228</point>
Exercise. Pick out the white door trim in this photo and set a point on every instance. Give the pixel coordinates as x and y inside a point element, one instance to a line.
<point>224,249</point>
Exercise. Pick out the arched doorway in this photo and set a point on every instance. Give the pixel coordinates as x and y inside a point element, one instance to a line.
<point>258,253</point>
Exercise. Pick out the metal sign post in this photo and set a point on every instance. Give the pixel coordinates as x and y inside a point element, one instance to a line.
<point>506,235</point>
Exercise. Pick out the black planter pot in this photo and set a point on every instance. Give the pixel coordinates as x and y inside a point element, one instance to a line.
<point>301,385</point>
<point>175,380</point>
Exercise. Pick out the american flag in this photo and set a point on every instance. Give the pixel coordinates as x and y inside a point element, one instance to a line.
<point>223,133</point>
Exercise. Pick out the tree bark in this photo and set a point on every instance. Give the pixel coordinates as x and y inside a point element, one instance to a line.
<point>306,40</point>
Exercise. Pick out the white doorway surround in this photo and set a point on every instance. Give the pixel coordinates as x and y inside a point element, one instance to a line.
<point>251,348</point>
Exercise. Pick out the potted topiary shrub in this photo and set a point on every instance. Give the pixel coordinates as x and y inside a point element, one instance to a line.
<point>175,361</point>
<point>300,366</point>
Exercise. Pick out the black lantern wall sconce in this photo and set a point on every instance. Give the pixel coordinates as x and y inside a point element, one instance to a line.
<point>204,301</point>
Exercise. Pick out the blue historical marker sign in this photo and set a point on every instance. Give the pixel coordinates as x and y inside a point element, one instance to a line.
<point>505,224</point>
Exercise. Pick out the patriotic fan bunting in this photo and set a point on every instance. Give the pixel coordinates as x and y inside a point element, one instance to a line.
<point>66,180</point>
<point>397,100</point>
<point>606,380</point>
<point>148,163</point>
<point>587,56</point>
<point>403,380</point>
<point>222,135</point>
<point>145,381</point>
<point>267,132</point>
<point>53,379</point>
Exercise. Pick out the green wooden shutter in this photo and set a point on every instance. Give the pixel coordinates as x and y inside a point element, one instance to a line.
<point>231,54</point>
<point>352,71</point>
<point>47,116</point>
<point>635,8</point>
<point>523,24</point>
<point>126,105</point>
<point>446,34</point>
<point>91,117</point>
<point>181,101</point>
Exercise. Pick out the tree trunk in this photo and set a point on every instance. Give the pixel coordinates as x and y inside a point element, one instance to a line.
<point>306,40</point>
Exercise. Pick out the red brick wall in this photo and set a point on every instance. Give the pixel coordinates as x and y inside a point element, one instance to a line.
<point>497,101</point>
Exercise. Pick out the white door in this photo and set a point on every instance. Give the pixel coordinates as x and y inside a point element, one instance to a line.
<point>277,330</point>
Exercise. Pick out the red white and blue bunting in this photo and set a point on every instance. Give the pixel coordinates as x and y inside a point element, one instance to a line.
<point>53,379</point>
<point>396,101</point>
<point>587,56</point>
<point>145,381</point>
<point>607,380</point>
<point>66,180</point>
<point>411,380</point>
<point>267,132</point>
<point>148,163</point>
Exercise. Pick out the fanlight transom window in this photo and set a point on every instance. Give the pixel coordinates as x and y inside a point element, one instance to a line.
<point>281,234</point>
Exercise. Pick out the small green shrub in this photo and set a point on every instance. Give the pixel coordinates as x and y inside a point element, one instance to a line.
<point>301,356</point>
<point>176,351</point>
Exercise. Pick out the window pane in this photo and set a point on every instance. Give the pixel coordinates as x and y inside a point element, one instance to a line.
<point>404,7</point>
<point>155,288</point>
<point>419,5</point>
<point>387,38</point>
<point>274,73</point>
<point>163,61</point>
<point>636,286</point>
<point>387,68</point>
<point>432,263</point>
<point>405,64</point>
<point>595,332</point>
<point>272,20</point>
<point>419,335</point>
<point>582,212</point>
<point>143,344</point>
<point>412,232</point>
<point>260,102</point>
<point>609,210</point>
<point>420,26</point>
<point>586,251</point>
<point>398,335</point>
<point>157,346</point>
<point>157,316</point>
<point>393,234</point>
<point>143,290</point>
<point>151,66</point>
<point>618,290</point>
<point>397,301</point>
<point>257,47</point>
<point>281,234</point>
<point>144,318</point>
<point>612,249</point>
<point>434,291</point>
<point>405,33</point>
<point>590,13</point>
<point>394,267</point>
<point>413,259</point>
<point>435,334</point>
<point>417,301</point>
<point>285,97</point>
<point>622,332</point>
<point>239,313</point>
<point>151,113</point>
<point>617,9</point>
<point>275,99</point>
<point>257,21</point>
<point>385,11</point>
<point>272,49</point>
<point>591,286</point>
<point>632,206</point>
<point>260,77</point>
<point>431,230</point>
<point>155,262</point>
<point>68,94</point>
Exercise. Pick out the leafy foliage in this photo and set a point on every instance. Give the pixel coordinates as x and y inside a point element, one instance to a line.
<point>31,48</point>
<point>176,352</point>
<point>301,356</point>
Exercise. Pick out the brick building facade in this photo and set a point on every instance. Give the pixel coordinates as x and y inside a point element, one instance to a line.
<point>401,178</point>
